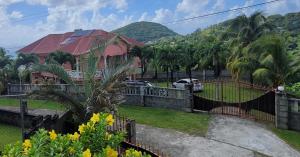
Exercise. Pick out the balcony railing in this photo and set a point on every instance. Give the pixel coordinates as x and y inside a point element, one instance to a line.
<point>79,75</point>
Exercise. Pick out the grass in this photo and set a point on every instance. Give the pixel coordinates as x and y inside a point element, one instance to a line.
<point>9,134</point>
<point>190,123</point>
<point>162,84</point>
<point>229,92</point>
<point>290,137</point>
<point>33,104</point>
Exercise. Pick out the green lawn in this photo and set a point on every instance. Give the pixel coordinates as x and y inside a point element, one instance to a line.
<point>165,118</point>
<point>230,91</point>
<point>290,137</point>
<point>32,104</point>
<point>9,134</point>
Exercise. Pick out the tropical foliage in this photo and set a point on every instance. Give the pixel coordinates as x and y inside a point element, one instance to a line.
<point>91,139</point>
<point>93,95</point>
<point>60,58</point>
<point>145,31</point>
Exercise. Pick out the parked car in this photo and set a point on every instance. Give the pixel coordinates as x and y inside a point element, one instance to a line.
<point>197,86</point>
<point>138,83</point>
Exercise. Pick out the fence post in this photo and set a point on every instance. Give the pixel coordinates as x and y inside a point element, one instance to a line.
<point>281,110</point>
<point>23,110</point>
<point>239,90</point>
<point>131,130</point>
<point>142,94</point>
<point>222,97</point>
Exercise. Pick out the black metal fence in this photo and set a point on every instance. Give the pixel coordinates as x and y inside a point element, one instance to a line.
<point>236,98</point>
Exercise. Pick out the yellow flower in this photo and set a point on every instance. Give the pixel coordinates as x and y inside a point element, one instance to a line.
<point>27,143</point>
<point>95,118</point>
<point>71,150</point>
<point>107,136</point>
<point>74,137</point>
<point>81,128</point>
<point>132,152</point>
<point>53,135</point>
<point>25,151</point>
<point>91,125</point>
<point>111,152</point>
<point>110,120</point>
<point>137,153</point>
<point>87,153</point>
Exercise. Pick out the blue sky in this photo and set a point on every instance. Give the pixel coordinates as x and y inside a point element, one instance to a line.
<point>25,21</point>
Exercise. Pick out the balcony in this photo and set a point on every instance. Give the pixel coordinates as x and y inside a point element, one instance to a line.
<point>80,75</point>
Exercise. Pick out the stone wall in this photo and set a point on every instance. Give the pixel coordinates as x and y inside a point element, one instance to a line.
<point>294,114</point>
<point>287,112</point>
<point>178,99</point>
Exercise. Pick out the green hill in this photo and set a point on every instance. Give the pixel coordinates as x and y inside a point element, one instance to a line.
<point>145,31</point>
<point>283,23</point>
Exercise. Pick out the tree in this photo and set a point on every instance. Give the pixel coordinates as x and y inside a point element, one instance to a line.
<point>187,52</point>
<point>275,66</point>
<point>25,62</point>
<point>145,54</point>
<point>60,58</point>
<point>154,61</point>
<point>5,68</point>
<point>244,31</point>
<point>212,53</point>
<point>168,57</point>
<point>97,96</point>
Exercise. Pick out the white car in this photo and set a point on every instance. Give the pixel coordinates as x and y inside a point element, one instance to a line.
<point>183,82</point>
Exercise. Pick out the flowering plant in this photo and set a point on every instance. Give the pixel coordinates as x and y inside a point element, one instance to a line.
<point>92,139</point>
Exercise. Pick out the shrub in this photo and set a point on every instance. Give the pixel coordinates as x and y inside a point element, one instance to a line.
<point>92,139</point>
<point>294,89</point>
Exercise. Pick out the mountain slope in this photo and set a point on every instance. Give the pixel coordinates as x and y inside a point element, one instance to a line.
<point>145,31</point>
<point>284,23</point>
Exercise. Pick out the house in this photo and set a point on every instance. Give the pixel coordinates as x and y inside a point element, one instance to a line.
<point>79,43</point>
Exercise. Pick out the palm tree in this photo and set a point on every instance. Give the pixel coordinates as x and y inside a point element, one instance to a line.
<point>169,57</point>
<point>26,60</point>
<point>245,30</point>
<point>187,52</point>
<point>211,53</point>
<point>145,54</point>
<point>274,64</point>
<point>97,95</point>
<point>154,61</point>
<point>60,58</point>
<point>5,65</point>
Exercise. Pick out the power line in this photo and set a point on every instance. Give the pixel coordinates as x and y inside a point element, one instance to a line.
<point>221,12</point>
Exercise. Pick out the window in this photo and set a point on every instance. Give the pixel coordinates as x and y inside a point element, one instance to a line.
<point>181,81</point>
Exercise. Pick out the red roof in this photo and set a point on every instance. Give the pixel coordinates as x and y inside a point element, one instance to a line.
<point>77,43</point>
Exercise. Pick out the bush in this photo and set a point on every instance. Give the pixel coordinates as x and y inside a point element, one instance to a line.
<point>92,139</point>
<point>294,89</point>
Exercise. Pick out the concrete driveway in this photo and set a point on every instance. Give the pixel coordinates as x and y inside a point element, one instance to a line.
<point>227,137</point>
<point>249,134</point>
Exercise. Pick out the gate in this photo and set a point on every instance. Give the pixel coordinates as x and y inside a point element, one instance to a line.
<point>236,98</point>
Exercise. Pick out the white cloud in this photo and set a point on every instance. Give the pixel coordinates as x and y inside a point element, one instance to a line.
<point>143,17</point>
<point>8,2</point>
<point>16,15</point>
<point>192,7</point>
<point>162,15</point>
<point>283,7</point>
